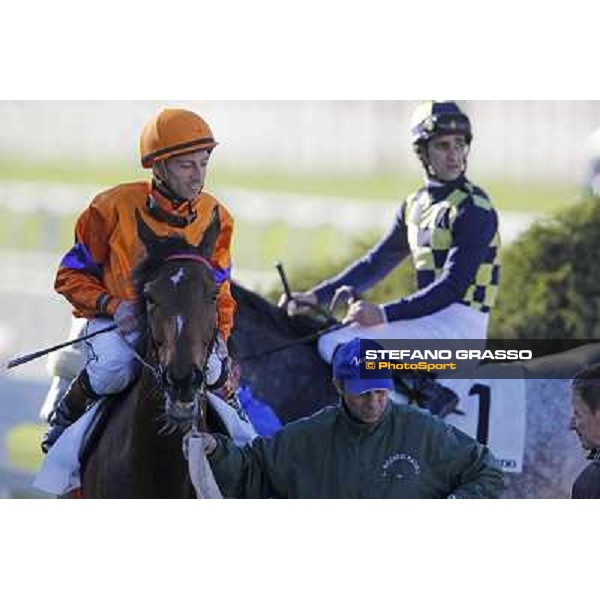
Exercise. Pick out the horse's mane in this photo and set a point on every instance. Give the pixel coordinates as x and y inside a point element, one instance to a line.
<point>294,381</point>
<point>272,316</point>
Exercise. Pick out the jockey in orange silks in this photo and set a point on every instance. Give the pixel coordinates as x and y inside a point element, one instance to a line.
<point>95,275</point>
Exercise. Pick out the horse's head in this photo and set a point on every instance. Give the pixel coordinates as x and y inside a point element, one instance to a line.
<point>177,290</point>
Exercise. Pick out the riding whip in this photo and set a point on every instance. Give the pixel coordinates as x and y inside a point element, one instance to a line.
<point>331,320</point>
<point>284,281</point>
<point>20,360</point>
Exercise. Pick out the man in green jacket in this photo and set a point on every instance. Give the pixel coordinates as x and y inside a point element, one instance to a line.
<point>366,447</point>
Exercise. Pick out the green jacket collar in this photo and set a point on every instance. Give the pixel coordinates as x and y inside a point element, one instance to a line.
<point>358,427</point>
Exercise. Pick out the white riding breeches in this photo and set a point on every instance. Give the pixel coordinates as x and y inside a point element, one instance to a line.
<point>456,321</point>
<point>111,363</point>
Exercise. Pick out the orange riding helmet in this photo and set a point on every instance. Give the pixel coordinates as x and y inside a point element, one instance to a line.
<point>174,131</point>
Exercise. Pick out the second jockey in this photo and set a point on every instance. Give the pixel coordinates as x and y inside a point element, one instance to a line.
<point>448,227</point>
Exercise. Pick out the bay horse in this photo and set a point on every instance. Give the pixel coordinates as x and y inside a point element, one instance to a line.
<point>138,453</point>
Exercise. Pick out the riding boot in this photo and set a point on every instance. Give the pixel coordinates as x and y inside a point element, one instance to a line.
<point>438,399</point>
<point>427,393</point>
<point>68,409</point>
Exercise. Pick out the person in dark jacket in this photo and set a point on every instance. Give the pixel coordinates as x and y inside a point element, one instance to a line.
<point>585,422</point>
<point>366,447</point>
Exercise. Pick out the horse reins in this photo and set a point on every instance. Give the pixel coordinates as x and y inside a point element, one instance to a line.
<point>303,340</point>
<point>334,324</point>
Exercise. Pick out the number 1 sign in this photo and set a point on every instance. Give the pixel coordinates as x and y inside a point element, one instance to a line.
<point>493,412</point>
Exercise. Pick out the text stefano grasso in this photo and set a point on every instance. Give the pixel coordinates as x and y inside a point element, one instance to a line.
<point>381,354</point>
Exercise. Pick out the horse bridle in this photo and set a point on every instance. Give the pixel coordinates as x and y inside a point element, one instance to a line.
<point>159,371</point>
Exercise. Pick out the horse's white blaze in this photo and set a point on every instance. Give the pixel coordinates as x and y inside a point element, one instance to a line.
<point>179,321</point>
<point>177,277</point>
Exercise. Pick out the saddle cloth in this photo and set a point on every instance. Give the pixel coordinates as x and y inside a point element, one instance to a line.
<point>60,471</point>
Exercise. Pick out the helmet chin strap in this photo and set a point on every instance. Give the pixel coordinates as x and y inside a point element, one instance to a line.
<point>160,176</point>
<point>175,220</point>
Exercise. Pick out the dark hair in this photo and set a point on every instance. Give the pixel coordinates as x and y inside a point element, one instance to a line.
<point>586,384</point>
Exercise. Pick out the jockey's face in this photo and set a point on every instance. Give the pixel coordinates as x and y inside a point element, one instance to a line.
<point>586,423</point>
<point>447,156</point>
<point>368,407</point>
<point>185,174</point>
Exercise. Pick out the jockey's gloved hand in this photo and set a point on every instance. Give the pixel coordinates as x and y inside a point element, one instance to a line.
<point>365,314</point>
<point>126,317</point>
<point>218,365</point>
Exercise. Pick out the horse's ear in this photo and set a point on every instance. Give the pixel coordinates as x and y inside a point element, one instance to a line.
<point>206,246</point>
<point>145,234</point>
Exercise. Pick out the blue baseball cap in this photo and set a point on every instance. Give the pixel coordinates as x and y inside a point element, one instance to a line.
<point>346,368</point>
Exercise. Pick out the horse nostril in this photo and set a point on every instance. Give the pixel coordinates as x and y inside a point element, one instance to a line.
<point>180,380</point>
<point>183,381</point>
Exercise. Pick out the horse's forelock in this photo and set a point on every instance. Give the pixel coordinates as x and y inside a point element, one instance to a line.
<point>146,270</point>
<point>156,257</point>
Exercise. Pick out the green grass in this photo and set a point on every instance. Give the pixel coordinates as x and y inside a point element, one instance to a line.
<point>529,196</point>
<point>23,446</point>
